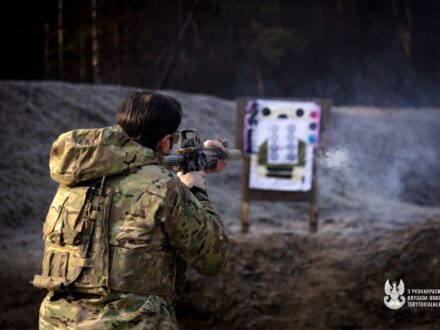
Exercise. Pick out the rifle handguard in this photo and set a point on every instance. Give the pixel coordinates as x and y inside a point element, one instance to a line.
<point>193,157</point>
<point>191,160</point>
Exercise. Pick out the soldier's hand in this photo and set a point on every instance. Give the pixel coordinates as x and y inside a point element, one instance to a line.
<point>191,179</point>
<point>221,163</point>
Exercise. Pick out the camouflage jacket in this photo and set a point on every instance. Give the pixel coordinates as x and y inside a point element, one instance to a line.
<point>155,222</point>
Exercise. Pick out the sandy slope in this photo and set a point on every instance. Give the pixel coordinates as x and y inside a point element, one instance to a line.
<point>379,184</point>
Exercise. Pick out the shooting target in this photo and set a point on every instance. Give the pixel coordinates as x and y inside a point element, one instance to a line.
<point>279,137</point>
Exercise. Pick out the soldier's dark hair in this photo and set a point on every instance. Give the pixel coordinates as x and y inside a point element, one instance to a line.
<point>148,117</point>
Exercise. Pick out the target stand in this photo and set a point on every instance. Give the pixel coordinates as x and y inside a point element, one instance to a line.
<point>280,139</point>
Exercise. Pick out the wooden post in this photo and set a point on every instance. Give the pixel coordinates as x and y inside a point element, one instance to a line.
<point>244,216</point>
<point>313,214</point>
<point>313,201</point>
<point>245,207</point>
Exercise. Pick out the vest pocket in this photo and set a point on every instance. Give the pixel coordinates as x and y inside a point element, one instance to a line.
<point>54,271</point>
<point>142,272</point>
<point>55,210</point>
<point>56,264</point>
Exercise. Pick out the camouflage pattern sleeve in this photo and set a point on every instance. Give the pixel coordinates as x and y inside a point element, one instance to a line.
<point>195,229</point>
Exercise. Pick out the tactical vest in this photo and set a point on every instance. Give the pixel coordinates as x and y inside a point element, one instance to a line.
<point>77,252</point>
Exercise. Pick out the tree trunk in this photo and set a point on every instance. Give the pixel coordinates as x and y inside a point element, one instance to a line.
<point>82,45</point>
<point>95,46</point>
<point>47,66</point>
<point>259,79</point>
<point>117,77</point>
<point>404,22</point>
<point>339,6</point>
<point>60,39</point>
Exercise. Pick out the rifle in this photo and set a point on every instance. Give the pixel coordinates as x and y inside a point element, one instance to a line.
<point>193,157</point>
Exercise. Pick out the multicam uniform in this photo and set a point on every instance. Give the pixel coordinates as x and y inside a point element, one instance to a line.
<point>155,226</point>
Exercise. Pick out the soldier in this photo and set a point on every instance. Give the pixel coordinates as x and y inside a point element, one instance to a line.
<point>122,227</point>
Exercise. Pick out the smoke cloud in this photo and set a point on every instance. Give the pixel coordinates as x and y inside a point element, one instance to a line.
<point>389,154</point>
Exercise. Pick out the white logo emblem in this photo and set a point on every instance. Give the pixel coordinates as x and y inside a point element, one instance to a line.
<point>394,298</point>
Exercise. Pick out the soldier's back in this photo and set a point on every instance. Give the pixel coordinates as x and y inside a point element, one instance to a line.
<point>142,272</point>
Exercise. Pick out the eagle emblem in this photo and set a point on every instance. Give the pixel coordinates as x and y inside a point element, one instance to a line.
<point>394,298</point>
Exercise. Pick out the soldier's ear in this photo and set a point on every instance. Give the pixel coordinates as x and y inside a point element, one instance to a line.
<point>164,144</point>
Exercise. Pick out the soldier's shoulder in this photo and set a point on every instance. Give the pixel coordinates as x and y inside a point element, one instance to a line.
<point>161,176</point>
<point>152,178</point>
<point>157,171</point>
